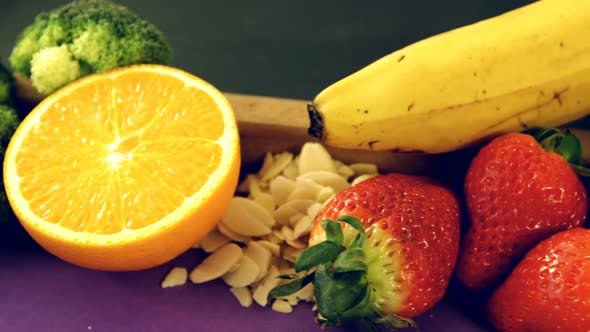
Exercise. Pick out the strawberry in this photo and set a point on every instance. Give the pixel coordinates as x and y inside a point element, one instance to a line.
<point>549,290</point>
<point>390,256</point>
<point>517,194</point>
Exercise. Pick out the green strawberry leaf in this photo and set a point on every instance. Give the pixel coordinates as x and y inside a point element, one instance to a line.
<point>361,309</point>
<point>541,134</point>
<point>337,293</point>
<point>565,144</point>
<point>333,231</point>
<point>291,276</point>
<point>359,241</point>
<point>290,288</point>
<point>354,222</point>
<point>581,170</point>
<point>570,148</point>
<point>321,253</point>
<point>361,238</point>
<point>352,259</point>
<point>339,276</point>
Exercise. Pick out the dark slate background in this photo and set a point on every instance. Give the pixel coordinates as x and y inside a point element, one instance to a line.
<point>276,47</point>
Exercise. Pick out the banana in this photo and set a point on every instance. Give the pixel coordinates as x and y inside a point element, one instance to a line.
<point>527,68</point>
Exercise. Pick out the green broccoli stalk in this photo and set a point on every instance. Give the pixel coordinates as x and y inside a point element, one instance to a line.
<point>83,37</point>
<point>6,86</point>
<point>9,120</point>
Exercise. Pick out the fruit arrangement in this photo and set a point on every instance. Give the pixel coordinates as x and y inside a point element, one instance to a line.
<point>125,165</point>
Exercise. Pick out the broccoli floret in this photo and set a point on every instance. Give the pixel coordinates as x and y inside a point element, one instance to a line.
<point>52,68</point>
<point>9,120</point>
<point>6,86</point>
<point>83,37</point>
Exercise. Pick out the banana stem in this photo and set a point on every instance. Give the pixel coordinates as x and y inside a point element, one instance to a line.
<point>316,126</point>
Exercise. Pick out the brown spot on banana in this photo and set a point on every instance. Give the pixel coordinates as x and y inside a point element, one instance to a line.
<point>522,124</point>
<point>371,143</point>
<point>557,95</point>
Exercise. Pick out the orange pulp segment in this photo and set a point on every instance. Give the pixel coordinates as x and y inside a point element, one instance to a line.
<point>124,170</point>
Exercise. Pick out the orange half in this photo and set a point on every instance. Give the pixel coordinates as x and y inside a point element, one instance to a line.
<point>124,170</point>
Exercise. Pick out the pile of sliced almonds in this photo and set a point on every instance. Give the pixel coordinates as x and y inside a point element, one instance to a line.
<point>266,226</point>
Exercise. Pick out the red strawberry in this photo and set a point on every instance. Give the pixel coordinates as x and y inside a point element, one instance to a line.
<point>517,194</point>
<point>401,268</point>
<point>549,290</point>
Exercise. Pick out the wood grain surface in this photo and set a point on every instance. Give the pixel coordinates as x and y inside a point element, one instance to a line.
<point>270,124</point>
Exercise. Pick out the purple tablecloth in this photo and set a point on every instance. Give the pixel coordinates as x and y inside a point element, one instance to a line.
<point>43,293</point>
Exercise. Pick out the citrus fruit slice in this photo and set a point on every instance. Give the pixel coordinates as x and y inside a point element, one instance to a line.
<point>124,170</point>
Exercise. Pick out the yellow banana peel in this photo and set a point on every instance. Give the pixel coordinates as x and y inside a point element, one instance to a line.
<point>523,69</point>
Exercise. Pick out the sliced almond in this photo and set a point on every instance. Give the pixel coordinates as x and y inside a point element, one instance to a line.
<point>343,170</point>
<point>280,188</point>
<point>260,255</point>
<point>244,186</point>
<point>305,189</point>
<point>176,277</point>
<point>264,199</point>
<point>274,237</point>
<point>325,194</point>
<point>213,241</point>
<point>291,299</point>
<point>274,248</point>
<point>217,264</point>
<point>277,233</point>
<point>223,229</point>
<point>281,161</point>
<point>287,233</point>
<point>306,293</point>
<point>291,171</point>
<point>327,179</point>
<point>282,306</point>
<point>260,293</point>
<point>287,210</point>
<point>290,254</point>
<point>313,210</point>
<point>314,157</point>
<point>285,268</point>
<point>297,244</point>
<point>302,227</point>
<point>246,217</point>
<point>243,295</point>
<point>266,163</point>
<point>244,275</point>
<point>295,218</point>
<point>362,178</point>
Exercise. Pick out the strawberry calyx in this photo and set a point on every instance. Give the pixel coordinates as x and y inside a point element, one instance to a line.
<point>343,293</point>
<point>565,144</point>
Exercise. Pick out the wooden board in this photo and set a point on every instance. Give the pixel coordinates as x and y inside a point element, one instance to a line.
<point>270,124</point>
